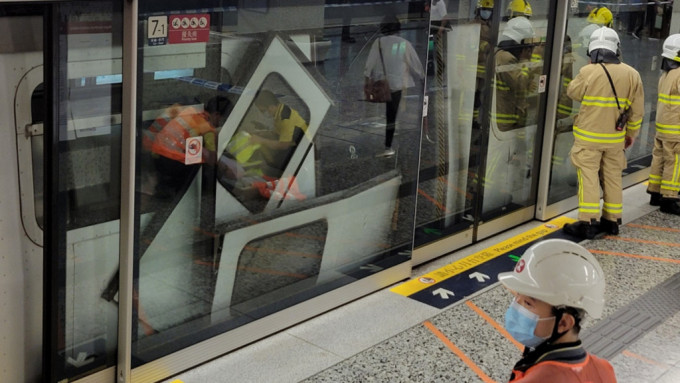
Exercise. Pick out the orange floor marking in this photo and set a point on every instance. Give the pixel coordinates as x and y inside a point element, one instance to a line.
<point>456,188</point>
<point>649,227</point>
<point>458,352</point>
<point>635,256</point>
<point>671,244</point>
<point>434,201</point>
<point>495,324</point>
<point>642,358</point>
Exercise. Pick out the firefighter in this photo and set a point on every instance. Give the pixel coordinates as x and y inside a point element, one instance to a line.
<point>664,176</point>
<point>555,283</point>
<point>518,8</point>
<point>513,77</point>
<point>597,18</point>
<point>608,121</point>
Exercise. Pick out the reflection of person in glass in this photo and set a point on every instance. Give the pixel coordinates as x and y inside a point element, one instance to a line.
<point>289,128</point>
<point>664,176</point>
<point>513,77</point>
<point>400,63</point>
<point>555,284</point>
<point>519,8</point>
<point>597,18</point>
<point>612,105</point>
<point>483,15</point>
<point>173,128</point>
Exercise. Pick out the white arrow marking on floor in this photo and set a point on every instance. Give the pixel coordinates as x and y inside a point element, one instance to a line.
<point>480,277</point>
<point>81,360</point>
<point>371,267</point>
<point>444,293</point>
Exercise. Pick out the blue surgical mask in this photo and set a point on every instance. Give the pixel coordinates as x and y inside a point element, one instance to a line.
<point>521,324</point>
<point>485,14</point>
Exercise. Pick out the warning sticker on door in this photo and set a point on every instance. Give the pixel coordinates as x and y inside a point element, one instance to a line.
<point>189,28</point>
<point>193,150</point>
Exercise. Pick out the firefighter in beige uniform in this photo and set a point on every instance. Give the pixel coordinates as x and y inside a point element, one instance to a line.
<point>598,151</point>
<point>664,176</point>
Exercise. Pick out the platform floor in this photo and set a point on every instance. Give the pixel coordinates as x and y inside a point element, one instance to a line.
<point>387,337</point>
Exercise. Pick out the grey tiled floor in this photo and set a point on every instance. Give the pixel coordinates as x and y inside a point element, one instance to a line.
<point>384,337</point>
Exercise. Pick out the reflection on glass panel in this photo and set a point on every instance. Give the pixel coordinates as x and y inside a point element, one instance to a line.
<point>460,46</point>
<point>264,176</point>
<point>514,129</point>
<point>89,181</point>
<point>641,29</point>
<point>262,146</point>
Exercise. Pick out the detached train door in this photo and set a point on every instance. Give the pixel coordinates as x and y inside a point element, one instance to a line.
<point>60,73</point>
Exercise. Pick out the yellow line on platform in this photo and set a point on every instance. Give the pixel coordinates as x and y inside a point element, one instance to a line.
<point>417,284</point>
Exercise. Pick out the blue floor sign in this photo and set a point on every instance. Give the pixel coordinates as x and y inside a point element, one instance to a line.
<point>454,282</point>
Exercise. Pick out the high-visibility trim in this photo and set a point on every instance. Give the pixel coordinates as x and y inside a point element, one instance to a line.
<point>501,85</point>
<point>613,208</point>
<point>605,138</point>
<point>669,99</point>
<point>565,109</point>
<point>505,118</point>
<point>634,125</point>
<point>605,102</point>
<point>668,129</point>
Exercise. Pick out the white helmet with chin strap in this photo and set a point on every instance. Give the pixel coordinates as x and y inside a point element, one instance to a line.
<point>519,29</point>
<point>560,273</point>
<point>671,47</point>
<point>604,38</point>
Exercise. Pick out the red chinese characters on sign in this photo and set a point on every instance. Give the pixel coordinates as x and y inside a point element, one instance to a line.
<point>189,28</point>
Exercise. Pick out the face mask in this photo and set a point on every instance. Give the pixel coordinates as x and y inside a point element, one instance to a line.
<point>485,14</point>
<point>521,324</point>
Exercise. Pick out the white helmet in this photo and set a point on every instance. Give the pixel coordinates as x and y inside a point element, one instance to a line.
<point>561,273</point>
<point>671,47</point>
<point>604,38</point>
<point>518,29</point>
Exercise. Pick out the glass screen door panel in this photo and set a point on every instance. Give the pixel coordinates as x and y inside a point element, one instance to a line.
<point>264,180</point>
<point>642,30</point>
<point>515,127</point>
<point>487,69</point>
<point>85,143</point>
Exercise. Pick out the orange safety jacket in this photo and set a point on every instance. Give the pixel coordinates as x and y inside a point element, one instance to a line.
<point>170,142</point>
<point>594,126</point>
<point>563,363</point>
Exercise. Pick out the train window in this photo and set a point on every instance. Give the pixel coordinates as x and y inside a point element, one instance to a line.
<point>91,166</point>
<point>261,147</point>
<point>273,267</point>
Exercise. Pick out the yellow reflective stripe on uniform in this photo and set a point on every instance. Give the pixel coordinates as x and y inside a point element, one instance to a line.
<point>605,102</point>
<point>634,125</point>
<point>613,207</point>
<point>668,129</point>
<point>606,138</point>
<point>565,109</point>
<point>501,85</point>
<point>669,99</point>
<point>505,118</point>
<point>655,179</point>
<point>585,207</point>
